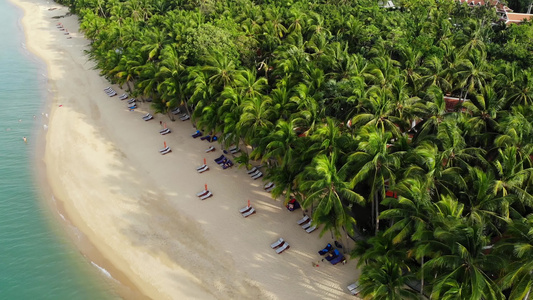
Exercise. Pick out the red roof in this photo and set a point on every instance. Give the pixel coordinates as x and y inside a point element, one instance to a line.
<point>499,6</point>
<point>517,18</point>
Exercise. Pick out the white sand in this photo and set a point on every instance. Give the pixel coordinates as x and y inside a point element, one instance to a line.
<point>139,209</point>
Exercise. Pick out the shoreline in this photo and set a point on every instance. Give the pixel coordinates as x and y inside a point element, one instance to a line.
<point>138,209</point>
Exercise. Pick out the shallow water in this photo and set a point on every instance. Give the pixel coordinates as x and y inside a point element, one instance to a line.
<point>37,259</point>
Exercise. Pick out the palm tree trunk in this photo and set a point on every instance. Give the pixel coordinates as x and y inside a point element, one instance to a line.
<point>129,87</point>
<point>422,279</point>
<point>376,197</point>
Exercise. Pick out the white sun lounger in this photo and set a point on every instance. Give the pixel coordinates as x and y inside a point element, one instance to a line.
<point>354,288</point>
<point>249,213</point>
<point>277,243</point>
<point>132,100</point>
<point>184,118</point>
<point>123,96</point>
<point>254,173</point>
<point>303,220</point>
<point>252,170</point>
<point>205,168</point>
<point>307,225</point>
<point>176,111</point>
<point>212,148</point>
<point>108,88</point>
<point>257,175</point>
<point>268,185</point>
<point>202,193</point>
<point>201,167</point>
<point>206,196</point>
<point>283,247</point>
<point>245,209</point>
<point>165,150</point>
<point>311,229</point>
<point>164,131</point>
<point>270,188</point>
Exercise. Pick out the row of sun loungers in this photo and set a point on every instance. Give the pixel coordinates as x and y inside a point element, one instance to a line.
<point>280,246</point>
<point>332,255</point>
<point>110,91</point>
<point>255,175</point>
<point>306,223</point>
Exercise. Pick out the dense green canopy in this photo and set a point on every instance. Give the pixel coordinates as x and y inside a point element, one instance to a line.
<point>345,100</point>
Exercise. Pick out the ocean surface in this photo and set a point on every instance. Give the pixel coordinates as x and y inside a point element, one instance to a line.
<point>37,258</point>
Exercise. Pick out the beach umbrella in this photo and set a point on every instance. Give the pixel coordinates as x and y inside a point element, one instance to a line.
<point>165,143</point>
<point>206,186</point>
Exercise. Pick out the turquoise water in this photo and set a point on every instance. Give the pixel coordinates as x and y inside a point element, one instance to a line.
<point>37,260</point>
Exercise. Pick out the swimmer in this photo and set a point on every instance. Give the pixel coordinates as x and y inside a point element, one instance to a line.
<point>20,120</point>
<point>34,116</point>
<point>24,138</point>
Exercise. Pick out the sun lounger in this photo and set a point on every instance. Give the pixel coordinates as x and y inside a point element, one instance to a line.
<point>249,213</point>
<point>123,96</point>
<point>257,176</point>
<point>354,288</point>
<point>311,229</point>
<point>197,134</point>
<point>212,148</point>
<point>202,193</point>
<point>206,196</point>
<point>228,164</point>
<point>268,185</point>
<point>338,259</point>
<point>176,111</point>
<point>134,106</point>
<point>277,243</point>
<point>165,150</point>
<point>303,220</point>
<point>306,224</point>
<point>252,170</point>
<point>254,173</point>
<point>326,249</point>
<point>165,131</point>
<point>132,100</point>
<point>270,188</point>
<point>221,158</point>
<point>147,117</point>
<point>283,247</point>
<point>185,118</point>
<point>332,255</point>
<point>222,162</point>
<point>245,209</point>
<point>205,168</point>
<point>201,167</point>
<point>108,88</point>
<point>205,137</point>
<point>235,151</point>
<point>212,139</point>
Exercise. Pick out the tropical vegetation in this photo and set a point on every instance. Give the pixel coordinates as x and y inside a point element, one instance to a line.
<point>410,126</point>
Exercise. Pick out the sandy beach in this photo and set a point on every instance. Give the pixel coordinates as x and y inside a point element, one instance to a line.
<point>138,209</point>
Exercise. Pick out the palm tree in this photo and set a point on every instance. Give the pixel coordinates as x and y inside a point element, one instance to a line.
<point>329,191</point>
<point>375,163</point>
<point>519,242</point>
